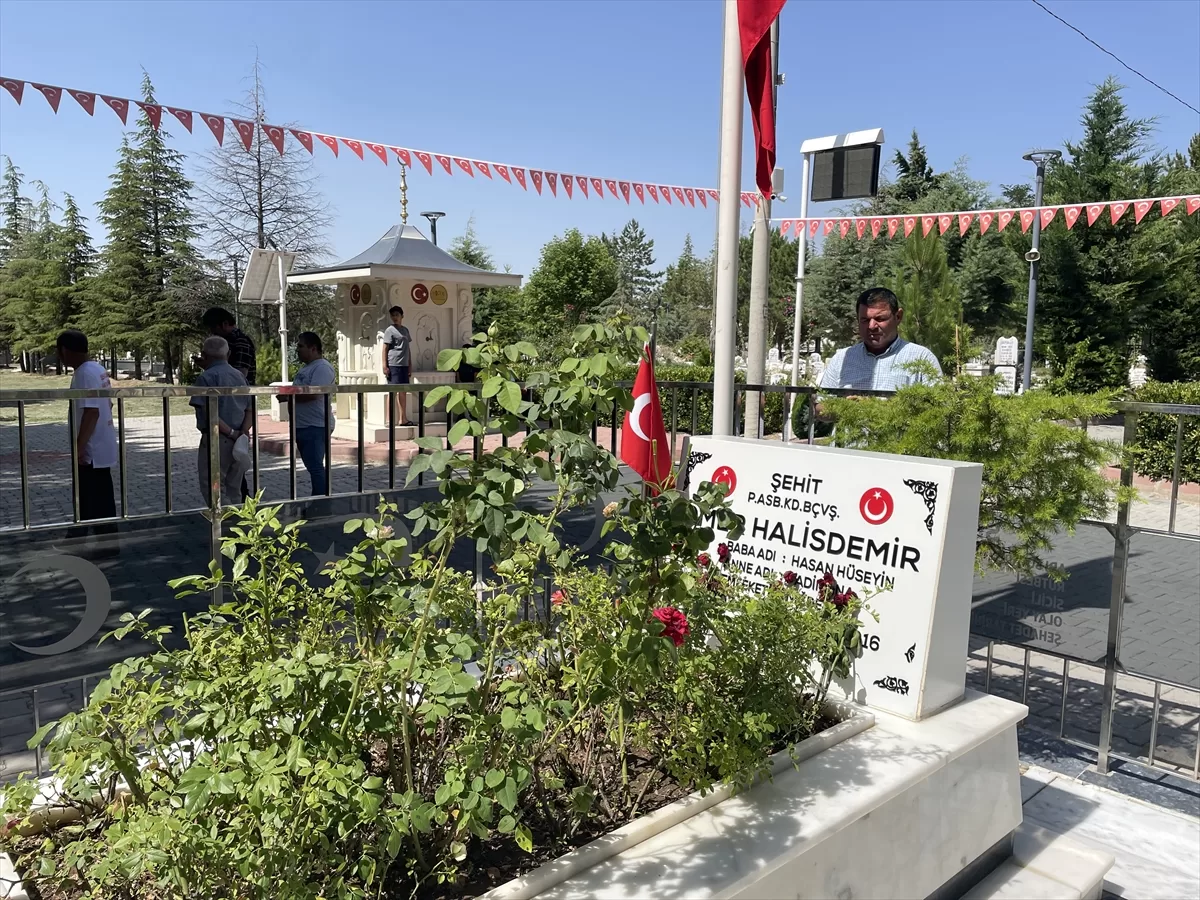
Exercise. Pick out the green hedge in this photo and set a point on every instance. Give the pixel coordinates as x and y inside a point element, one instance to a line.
<point>1154,453</point>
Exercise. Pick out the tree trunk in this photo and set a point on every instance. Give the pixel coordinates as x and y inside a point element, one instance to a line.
<point>137,364</point>
<point>112,362</point>
<point>167,362</point>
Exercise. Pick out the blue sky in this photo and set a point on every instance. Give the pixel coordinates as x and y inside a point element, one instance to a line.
<point>620,89</point>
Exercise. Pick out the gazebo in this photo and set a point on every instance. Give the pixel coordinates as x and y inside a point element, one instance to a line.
<point>403,268</point>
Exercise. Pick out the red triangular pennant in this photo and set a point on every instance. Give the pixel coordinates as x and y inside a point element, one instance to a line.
<point>305,139</point>
<point>1167,204</point>
<point>785,226</point>
<point>641,192</point>
<point>465,165</point>
<point>403,155</point>
<point>964,222</point>
<point>652,190</point>
<point>86,100</point>
<point>1093,212</point>
<point>845,227</point>
<point>926,224</point>
<point>520,173</point>
<point>118,105</point>
<point>354,145</point>
<point>1140,208</point>
<point>569,185</point>
<point>860,227</point>
<point>813,226</point>
<point>17,89</point>
<point>153,113</point>
<point>1191,204</point>
<point>245,131</point>
<point>700,195</point>
<point>275,135</point>
<point>329,141</point>
<point>828,227</point>
<point>666,195</point>
<point>53,95</point>
<point>943,223</point>
<point>537,179</point>
<point>680,196</point>
<point>1048,215</point>
<point>582,182</point>
<point>876,224</point>
<point>985,221</point>
<point>552,180</point>
<point>425,159</point>
<point>503,170</point>
<point>625,190</point>
<point>1026,219</point>
<point>483,167</point>
<point>910,222</point>
<point>445,161</point>
<point>612,186</point>
<point>691,196</point>
<point>1116,210</point>
<point>380,151</point>
<point>1003,218</point>
<point>217,126</point>
<point>716,197</point>
<point>893,224</point>
<point>185,119</point>
<point>1071,214</point>
<point>598,188</point>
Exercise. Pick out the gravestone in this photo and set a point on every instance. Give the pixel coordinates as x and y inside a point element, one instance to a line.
<point>1006,351</point>
<point>1137,372</point>
<point>899,531</point>
<point>1008,379</point>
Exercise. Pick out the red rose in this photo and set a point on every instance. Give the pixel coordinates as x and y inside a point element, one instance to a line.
<point>790,577</point>
<point>674,622</point>
<point>704,559</point>
<point>557,598</point>
<point>840,600</point>
<point>723,552</point>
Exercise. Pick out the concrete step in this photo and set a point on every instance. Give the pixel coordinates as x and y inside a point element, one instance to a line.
<point>1046,865</point>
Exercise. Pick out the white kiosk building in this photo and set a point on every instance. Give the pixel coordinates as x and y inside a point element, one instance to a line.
<point>403,268</point>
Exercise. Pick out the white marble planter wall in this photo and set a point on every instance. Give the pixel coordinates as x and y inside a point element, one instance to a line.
<point>893,812</point>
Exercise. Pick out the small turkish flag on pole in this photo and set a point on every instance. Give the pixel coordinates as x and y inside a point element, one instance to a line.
<point>644,446</point>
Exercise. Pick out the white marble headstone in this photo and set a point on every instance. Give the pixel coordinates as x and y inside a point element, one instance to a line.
<point>1008,379</point>
<point>899,530</point>
<point>1007,349</point>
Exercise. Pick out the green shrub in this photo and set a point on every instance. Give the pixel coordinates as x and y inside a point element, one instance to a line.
<point>1154,453</point>
<point>1041,471</point>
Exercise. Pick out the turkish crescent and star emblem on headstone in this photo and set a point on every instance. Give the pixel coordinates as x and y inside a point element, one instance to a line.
<point>876,506</point>
<point>726,476</point>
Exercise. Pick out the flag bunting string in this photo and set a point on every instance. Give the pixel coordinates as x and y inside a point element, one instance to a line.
<point>470,167</point>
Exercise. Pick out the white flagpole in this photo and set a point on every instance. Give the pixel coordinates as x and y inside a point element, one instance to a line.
<point>732,91</point>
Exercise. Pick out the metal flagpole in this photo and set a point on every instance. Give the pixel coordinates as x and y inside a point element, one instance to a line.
<point>283,341</point>
<point>800,255</point>
<point>732,90</point>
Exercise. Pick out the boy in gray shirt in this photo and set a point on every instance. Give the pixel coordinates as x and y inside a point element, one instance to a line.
<point>395,353</point>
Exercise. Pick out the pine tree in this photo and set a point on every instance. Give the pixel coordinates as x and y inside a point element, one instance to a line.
<point>173,265</point>
<point>119,303</point>
<point>637,282</point>
<point>687,295</point>
<point>929,298</point>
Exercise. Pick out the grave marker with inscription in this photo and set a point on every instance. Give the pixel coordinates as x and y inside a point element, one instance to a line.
<point>1006,351</point>
<point>899,528</point>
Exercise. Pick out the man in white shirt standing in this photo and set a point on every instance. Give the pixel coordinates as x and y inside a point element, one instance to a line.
<point>314,413</point>
<point>880,361</point>
<point>95,437</point>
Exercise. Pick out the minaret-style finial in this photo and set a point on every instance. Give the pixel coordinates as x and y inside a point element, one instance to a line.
<point>403,195</point>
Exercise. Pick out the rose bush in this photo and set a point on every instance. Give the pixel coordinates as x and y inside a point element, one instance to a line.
<point>398,730</point>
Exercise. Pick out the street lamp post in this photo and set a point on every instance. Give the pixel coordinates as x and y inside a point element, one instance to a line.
<point>1038,158</point>
<point>433,217</point>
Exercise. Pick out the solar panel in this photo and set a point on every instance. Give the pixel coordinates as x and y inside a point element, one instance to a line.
<point>261,281</point>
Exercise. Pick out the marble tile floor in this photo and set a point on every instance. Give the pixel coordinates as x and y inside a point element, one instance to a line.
<point>1157,850</point>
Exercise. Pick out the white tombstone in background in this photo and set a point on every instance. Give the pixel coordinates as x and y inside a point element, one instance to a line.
<point>1008,379</point>
<point>898,530</point>
<point>1137,372</point>
<point>975,370</point>
<point>816,368</point>
<point>773,356</point>
<point>1007,350</point>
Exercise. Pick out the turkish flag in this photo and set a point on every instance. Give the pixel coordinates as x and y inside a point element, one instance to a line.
<point>754,26</point>
<point>644,446</point>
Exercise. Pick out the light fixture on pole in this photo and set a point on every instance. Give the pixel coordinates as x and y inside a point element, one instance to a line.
<point>433,217</point>
<point>838,167</point>
<point>1039,158</point>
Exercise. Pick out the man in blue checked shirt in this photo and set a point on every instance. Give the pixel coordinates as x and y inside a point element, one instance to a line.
<point>879,362</point>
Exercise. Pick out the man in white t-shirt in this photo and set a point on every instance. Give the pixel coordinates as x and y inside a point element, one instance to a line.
<point>314,413</point>
<point>95,437</point>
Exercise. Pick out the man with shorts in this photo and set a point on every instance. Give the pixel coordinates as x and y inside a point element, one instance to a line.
<point>396,355</point>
